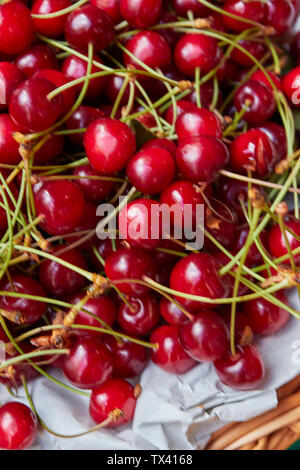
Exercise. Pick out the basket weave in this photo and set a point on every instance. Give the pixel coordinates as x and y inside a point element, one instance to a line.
<point>277,429</point>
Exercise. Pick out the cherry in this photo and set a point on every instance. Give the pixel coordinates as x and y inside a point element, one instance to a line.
<point>170,354</point>
<point>30,310</point>
<point>254,256</point>
<point>253,150</point>
<point>163,143</point>
<point>280,14</point>
<point>56,201</point>
<point>231,192</point>
<point>260,76</point>
<point>18,426</point>
<point>59,280</point>
<point>221,223</point>
<point>276,240</point>
<point>88,363</point>
<point>206,93</point>
<point>9,148</point>
<point>88,222</point>
<point>114,394</point>
<point>243,371</point>
<point>133,263</point>
<point>12,376</point>
<point>112,8</point>
<point>170,34</point>
<point>102,307</point>
<point>93,190</point>
<point>143,316</point>
<point>10,77</point>
<point>262,104</point>
<point>35,58</point>
<point>223,260</point>
<point>277,136</point>
<point>197,274</point>
<point>201,158</point>
<point>16,27</point>
<point>147,119</point>
<point>82,117</point>
<point>58,79</point>
<point>129,359</point>
<point>172,313</point>
<point>254,11</point>
<point>151,170</point>
<point>141,14</point>
<point>109,144</point>
<point>149,47</point>
<point>182,106</point>
<point>30,108</point>
<point>51,149</point>
<point>182,7</point>
<point>295,47</point>
<point>264,317</point>
<point>50,27</point>
<point>291,84</point>
<point>256,49</point>
<point>196,122</point>
<point>196,50</point>
<point>205,338</point>
<point>114,85</point>
<point>104,248</point>
<point>89,24</point>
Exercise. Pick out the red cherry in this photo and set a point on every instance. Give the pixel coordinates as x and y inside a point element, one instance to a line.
<point>223,260</point>
<point>196,50</point>
<point>254,11</point>
<point>55,200</point>
<point>244,371</point>
<point>9,148</point>
<point>82,117</point>
<point>172,313</point>
<point>182,106</point>
<point>142,318</point>
<point>104,248</point>
<point>132,263</point>
<point>205,338</point>
<point>140,14</point>
<point>59,79</point>
<point>151,170</point>
<point>89,24</point>
<point>280,14</point>
<point>262,103</point>
<point>109,144</point>
<point>93,190</point>
<point>88,222</point>
<point>50,27</point>
<point>16,27</point>
<point>196,122</point>
<point>291,86</point>
<point>197,274</point>
<point>201,158</point>
<point>88,363</point>
<point>206,93</point>
<point>295,46</point>
<point>170,34</point>
<point>30,108</point>
<point>182,7</point>
<point>112,395</point>
<point>35,58</point>
<point>10,77</point>
<point>231,192</point>
<point>112,8</point>
<point>256,49</point>
<point>129,359</point>
<point>59,280</point>
<point>165,144</point>
<point>114,85</point>
<point>259,76</point>
<point>254,256</point>
<point>170,354</point>
<point>276,240</point>
<point>242,330</point>
<point>150,48</point>
<point>51,149</point>
<point>18,425</point>
<point>221,223</point>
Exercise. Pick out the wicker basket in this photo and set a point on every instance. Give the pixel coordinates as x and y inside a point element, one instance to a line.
<point>277,429</point>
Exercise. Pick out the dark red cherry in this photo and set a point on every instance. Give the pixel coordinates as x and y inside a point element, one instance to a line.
<point>221,222</point>
<point>206,93</point>
<point>205,338</point>
<point>201,158</point>
<point>262,104</point>
<point>36,57</point>
<point>280,14</point>
<point>196,50</point>
<point>170,354</point>
<point>256,49</point>
<point>61,203</point>
<point>18,425</point>
<point>253,150</point>
<point>182,106</point>
<point>182,7</point>
<point>59,280</point>
<point>266,318</point>
<point>82,117</point>
<point>133,263</point>
<point>260,76</point>
<point>170,34</point>
<point>277,136</point>
<point>114,394</point>
<point>16,27</point>
<point>150,48</point>
<point>223,260</point>
<point>243,371</point>
<point>196,122</point>
<point>143,316</point>
<point>109,144</point>
<point>50,27</point>
<point>51,149</point>
<point>277,243</point>
<point>254,256</point>
<point>30,108</point>
<point>151,170</point>
<point>172,313</point>
<point>88,222</point>
<point>197,274</point>
<point>129,359</point>
<point>89,24</point>
<point>295,47</point>
<point>114,85</point>
<point>9,148</point>
<point>163,143</point>
<point>94,190</point>
<point>253,11</point>
<point>58,79</point>
<point>88,363</point>
<point>291,86</point>
<point>140,14</point>
<point>30,310</point>
<point>104,248</point>
<point>112,8</point>
<point>231,192</point>
<point>10,77</point>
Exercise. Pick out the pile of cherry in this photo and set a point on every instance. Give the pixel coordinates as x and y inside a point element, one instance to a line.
<point>160,102</point>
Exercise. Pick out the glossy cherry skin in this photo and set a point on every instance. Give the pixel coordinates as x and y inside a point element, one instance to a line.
<point>201,158</point>
<point>104,248</point>
<point>231,191</point>
<point>253,150</point>
<point>276,240</point>
<point>254,256</point>
<point>150,48</point>
<point>172,313</point>
<point>163,143</point>
<point>221,223</point>
<point>9,148</point>
<point>151,170</point>
<point>197,274</point>
<point>205,338</point>
<point>254,11</point>
<point>18,426</point>
<point>256,49</point>
<point>30,108</point>
<point>129,359</point>
<point>142,318</point>
<point>93,190</point>
<point>182,106</point>
<point>16,27</point>
<point>89,24</point>
<point>112,8</point>
<point>259,76</point>
<point>82,117</point>
<point>88,222</point>
<point>280,14</point>
<point>140,14</point>
<point>196,50</point>
<point>50,27</point>
<point>264,317</point>
<point>31,310</point>
<point>88,364</point>
<point>59,280</point>
<point>291,84</point>
<point>196,122</point>
<point>113,394</point>
<point>10,77</point>
<point>277,136</point>
<point>62,204</point>
<point>170,354</point>
<point>109,144</point>
<point>244,371</point>
<point>58,79</point>
<point>182,7</point>
<point>36,57</point>
<point>262,103</point>
<point>133,263</point>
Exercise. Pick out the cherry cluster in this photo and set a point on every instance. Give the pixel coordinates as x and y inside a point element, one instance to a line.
<point>163,102</point>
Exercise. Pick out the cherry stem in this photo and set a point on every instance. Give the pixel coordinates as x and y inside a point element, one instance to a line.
<point>56,14</point>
